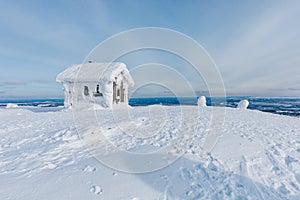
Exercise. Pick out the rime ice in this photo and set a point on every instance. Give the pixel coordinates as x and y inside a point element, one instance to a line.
<point>104,84</point>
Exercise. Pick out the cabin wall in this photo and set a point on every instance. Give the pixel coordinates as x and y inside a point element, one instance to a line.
<point>68,92</point>
<point>120,90</point>
<point>120,93</point>
<point>85,93</point>
<point>105,100</point>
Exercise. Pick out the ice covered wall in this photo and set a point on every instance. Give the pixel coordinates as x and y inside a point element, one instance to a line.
<point>76,77</point>
<point>67,87</point>
<point>117,70</point>
<point>107,91</point>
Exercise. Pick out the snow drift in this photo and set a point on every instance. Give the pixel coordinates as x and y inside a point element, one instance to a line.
<point>11,105</point>
<point>256,157</point>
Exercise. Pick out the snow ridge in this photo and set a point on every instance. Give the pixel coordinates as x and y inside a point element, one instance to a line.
<point>257,157</point>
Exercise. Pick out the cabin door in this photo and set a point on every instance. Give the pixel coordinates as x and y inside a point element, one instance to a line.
<point>114,92</point>
<point>122,90</point>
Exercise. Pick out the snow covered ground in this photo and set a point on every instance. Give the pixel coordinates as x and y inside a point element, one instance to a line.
<point>257,156</point>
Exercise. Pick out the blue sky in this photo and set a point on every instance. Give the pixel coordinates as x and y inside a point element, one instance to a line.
<point>255,44</point>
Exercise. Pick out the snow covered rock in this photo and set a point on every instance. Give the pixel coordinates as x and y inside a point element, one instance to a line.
<point>243,104</point>
<point>201,101</point>
<point>11,105</point>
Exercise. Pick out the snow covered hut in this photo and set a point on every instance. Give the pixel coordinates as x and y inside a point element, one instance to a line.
<point>101,83</point>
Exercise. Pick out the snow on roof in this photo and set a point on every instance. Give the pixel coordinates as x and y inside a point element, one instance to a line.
<point>93,72</point>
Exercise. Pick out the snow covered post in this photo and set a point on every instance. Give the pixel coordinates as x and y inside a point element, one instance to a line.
<point>201,101</point>
<point>243,104</point>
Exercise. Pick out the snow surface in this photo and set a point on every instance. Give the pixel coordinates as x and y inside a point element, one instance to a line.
<point>257,156</point>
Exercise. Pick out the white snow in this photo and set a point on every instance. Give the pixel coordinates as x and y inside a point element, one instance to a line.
<point>257,156</point>
<point>96,189</point>
<point>11,105</point>
<point>201,101</point>
<point>93,71</point>
<point>243,104</point>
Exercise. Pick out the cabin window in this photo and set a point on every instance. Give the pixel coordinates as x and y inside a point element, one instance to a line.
<point>86,91</point>
<point>97,93</point>
<point>97,89</point>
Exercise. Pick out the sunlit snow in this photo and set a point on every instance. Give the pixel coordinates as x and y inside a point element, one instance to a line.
<point>256,157</point>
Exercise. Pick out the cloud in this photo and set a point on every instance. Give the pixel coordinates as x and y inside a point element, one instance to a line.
<point>49,38</point>
<point>13,83</point>
<point>258,52</point>
<point>265,55</point>
<point>294,89</point>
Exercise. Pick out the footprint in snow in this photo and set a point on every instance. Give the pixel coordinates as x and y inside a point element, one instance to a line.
<point>89,169</point>
<point>96,190</point>
<point>289,160</point>
<point>51,166</point>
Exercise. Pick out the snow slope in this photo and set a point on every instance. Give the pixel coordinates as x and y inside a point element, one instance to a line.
<point>257,156</point>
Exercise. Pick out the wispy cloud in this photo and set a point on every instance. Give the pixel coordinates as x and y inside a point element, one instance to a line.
<point>265,55</point>
<point>257,53</point>
<point>294,89</point>
<point>13,82</point>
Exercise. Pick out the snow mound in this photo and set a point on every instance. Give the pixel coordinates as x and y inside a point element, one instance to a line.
<point>243,104</point>
<point>202,101</point>
<point>12,105</point>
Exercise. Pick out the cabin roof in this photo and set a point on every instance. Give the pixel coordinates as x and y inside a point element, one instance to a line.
<point>94,72</point>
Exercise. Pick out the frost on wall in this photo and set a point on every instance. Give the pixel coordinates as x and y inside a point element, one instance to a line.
<point>104,84</point>
<point>67,88</point>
